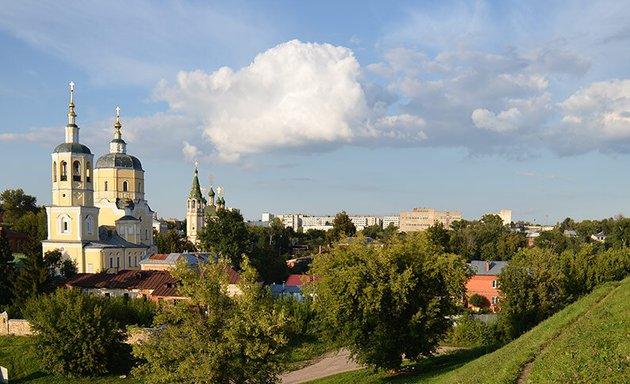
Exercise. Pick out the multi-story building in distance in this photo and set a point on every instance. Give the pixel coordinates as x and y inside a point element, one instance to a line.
<point>419,219</point>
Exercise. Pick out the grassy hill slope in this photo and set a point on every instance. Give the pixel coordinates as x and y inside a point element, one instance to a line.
<point>589,341</point>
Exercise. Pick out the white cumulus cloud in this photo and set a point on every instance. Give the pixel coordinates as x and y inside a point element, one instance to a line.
<point>294,95</point>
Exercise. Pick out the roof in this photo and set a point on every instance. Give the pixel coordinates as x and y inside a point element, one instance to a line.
<point>119,160</point>
<point>299,280</point>
<point>487,268</point>
<point>126,279</point>
<point>128,218</point>
<point>193,259</point>
<point>108,237</point>
<point>72,148</point>
<point>195,190</point>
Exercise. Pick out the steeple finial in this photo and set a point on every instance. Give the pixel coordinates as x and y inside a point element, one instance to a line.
<point>117,125</point>
<point>196,166</point>
<point>71,113</point>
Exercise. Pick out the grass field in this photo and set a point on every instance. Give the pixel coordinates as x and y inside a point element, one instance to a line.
<point>17,354</point>
<point>587,342</point>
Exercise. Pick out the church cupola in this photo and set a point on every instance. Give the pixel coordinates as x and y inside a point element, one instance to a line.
<point>117,145</point>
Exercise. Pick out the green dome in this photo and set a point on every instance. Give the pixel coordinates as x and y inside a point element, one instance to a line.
<point>72,148</point>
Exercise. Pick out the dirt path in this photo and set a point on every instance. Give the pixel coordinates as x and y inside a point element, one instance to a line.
<point>329,365</point>
<point>332,364</point>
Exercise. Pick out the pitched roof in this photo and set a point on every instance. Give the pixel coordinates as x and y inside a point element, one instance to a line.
<point>171,259</point>
<point>487,268</point>
<point>299,280</point>
<point>126,279</point>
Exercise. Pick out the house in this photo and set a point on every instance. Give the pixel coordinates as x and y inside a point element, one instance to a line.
<point>150,285</point>
<point>166,261</point>
<point>485,281</point>
<point>293,286</point>
<point>600,237</point>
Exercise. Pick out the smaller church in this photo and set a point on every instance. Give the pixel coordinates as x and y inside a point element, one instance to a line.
<point>198,209</point>
<point>99,216</point>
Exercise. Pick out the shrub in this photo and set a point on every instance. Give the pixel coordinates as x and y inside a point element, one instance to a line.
<point>76,334</point>
<point>469,332</point>
<point>479,301</point>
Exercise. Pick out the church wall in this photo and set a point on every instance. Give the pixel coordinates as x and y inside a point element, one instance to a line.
<point>71,250</point>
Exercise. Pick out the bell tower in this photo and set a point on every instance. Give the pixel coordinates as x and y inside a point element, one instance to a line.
<point>195,209</point>
<point>72,172</point>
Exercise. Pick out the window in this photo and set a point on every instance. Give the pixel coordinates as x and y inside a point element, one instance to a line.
<point>88,171</point>
<point>125,186</point>
<point>495,284</point>
<point>129,260</point>
<point>63,171</point>
<point>495,300</point>
<point>89,225</point>
<point>54,171</point>
<point>193,204</point>
<point>90,268</point>
<point>117,262</point>
<point>106,186</point>
<point>64,224</point>
<point>111,262</point>
<point>76,171</point>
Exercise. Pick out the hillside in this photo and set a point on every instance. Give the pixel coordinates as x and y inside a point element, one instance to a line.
<point>586,342</point>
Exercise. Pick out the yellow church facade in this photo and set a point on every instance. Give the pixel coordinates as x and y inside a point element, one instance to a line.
<point>99,217</point>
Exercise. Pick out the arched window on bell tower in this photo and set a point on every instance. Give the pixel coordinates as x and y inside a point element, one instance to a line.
<point>88,172</point>
<point>76,171</point>
<point>63,171</point>
<point>54,171</point>
<point>105,186</point>
<point>125,186</point>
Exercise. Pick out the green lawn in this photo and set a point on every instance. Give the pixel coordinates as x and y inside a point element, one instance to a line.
<point>589,341</point>
<point>17,354</point>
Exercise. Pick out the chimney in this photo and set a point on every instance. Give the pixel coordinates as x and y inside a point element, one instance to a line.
<point>488,266</point>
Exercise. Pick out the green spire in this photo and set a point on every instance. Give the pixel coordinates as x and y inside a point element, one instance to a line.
<point>195,191</point>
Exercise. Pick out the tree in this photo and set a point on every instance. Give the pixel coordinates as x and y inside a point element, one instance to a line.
<point>7,270</point>
<point>342,227</point>
<point>215,338</point>
<point>534,285</point>
<point>270,248</point>
<point>439,236</point>
<point>226,234</point>
<point>76,334</point>
<point>478,301</point>
<point>383,303</point>
<point>172,241</point>
<point>14,203</point>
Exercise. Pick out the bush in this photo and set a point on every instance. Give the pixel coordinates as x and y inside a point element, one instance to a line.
<point>133,311</point>
<point>300,315</point>
<point>469,332</point>
<point>76,334</point>
<point>478,301</point>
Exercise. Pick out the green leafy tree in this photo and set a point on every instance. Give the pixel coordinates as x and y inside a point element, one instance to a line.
<point>386,303</point>
<point>534,286</point>
<point>374,231</point>
<point>14,203</point>
<point>478,301</point>
<point>438,235</point>
<point>215,338</point>
<point>7,270</point>
<point>342,227</point>
<point>226,234</point>
<point>76,334</point>
<point>269,253</point>
<point>172,241</point>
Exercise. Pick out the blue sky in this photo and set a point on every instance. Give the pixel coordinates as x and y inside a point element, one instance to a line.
<point>316,107</point>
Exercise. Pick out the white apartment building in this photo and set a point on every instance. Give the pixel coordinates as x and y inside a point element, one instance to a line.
<point>391,220</point>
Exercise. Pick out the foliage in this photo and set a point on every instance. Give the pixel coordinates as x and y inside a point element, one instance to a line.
<point>226,234</point>
<point>533,287</point>
<point>19,355</point>
<point>270,249</point>
<point>486,239</point>
<point>342,227</point>
<point>133,311</point>
<point>14,204</point>
<point>538,282</point>
<point>215,338</point>
<point>172,241</point>
<point>478,301</point>
<point>469,332</point>
<point>7,270</point>
<point>383,303</point>
<point>76,334</point>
